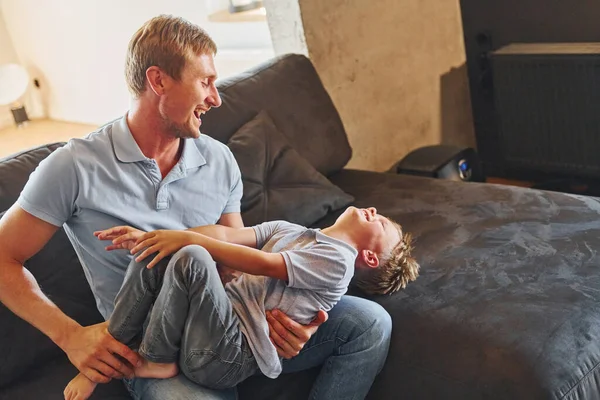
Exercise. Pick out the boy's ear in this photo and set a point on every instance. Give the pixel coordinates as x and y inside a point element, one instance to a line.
<point>369,258</point>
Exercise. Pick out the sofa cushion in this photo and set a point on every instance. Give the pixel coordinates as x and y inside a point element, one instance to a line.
<point>290,90</point>
<point>508,302</point>
<point>278,182</point>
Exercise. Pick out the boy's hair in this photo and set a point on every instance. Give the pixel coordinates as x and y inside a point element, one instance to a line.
<point>166,42</point>
<point>395,270</point>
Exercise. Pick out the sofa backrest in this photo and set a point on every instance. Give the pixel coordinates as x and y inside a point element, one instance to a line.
<point>291,92</point>
<point>15,170</point>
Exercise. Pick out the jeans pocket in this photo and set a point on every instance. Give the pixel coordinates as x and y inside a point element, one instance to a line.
<point>207,368</point>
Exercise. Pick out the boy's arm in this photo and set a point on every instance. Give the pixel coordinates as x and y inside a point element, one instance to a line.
<point>241,236</point>
<point>235,256</point>
<point>125,237</point>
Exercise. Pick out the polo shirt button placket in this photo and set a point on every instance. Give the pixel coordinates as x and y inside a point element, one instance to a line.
<point>162,198</point>
<point>161,189</point>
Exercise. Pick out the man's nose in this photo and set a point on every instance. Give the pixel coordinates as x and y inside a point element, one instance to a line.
<point>372,210</point>
<point>214,99</point>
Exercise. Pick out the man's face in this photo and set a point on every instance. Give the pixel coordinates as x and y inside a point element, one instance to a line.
<point>374,231</point>
<point>185,101</point>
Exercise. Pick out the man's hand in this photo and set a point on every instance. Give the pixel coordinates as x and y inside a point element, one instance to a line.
<point>93,351</point>
<point>288,336</point>
<point>163,242</point>
<point>123,237</point>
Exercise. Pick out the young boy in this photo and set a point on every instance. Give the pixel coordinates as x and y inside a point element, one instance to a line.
<point>220,335</point>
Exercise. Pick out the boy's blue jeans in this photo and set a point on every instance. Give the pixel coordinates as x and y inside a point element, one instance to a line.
<point>352,345</point>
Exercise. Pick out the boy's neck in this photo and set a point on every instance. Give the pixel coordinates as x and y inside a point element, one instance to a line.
<point>340,234</point>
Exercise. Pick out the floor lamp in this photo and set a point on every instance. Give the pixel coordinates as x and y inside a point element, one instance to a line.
<point>13,84</point>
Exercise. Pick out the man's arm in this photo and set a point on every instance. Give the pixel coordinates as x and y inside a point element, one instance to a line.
<point>232,220</point>
<point>89,349</point>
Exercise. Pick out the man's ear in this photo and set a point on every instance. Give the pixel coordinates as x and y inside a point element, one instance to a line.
<point>157,80</point>
<point>369,258</point>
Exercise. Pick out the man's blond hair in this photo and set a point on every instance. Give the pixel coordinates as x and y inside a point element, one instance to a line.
<point>165,42</point>
<point>395,269</point>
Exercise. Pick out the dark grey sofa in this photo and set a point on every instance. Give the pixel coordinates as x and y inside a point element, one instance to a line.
<point>507,305</point>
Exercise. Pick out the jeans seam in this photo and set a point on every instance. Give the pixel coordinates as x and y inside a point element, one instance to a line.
<point>152,340</point>
<point>221,321</point>
<point>125,323</point>
<point>197,352</point>
<point>150,346</point>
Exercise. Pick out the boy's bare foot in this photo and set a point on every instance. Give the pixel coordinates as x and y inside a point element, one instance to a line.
<point>80,388</point>
<point>156,370</point>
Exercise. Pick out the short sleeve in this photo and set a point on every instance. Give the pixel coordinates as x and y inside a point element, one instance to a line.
<point>51,191</point>
<point>236,191</point>
<point>265,231</point>
<point>320,267</point>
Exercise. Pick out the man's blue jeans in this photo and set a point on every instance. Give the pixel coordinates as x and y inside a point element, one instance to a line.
<point>352,347</point>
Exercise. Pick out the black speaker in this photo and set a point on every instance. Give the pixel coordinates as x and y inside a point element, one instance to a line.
<point>442,162</point>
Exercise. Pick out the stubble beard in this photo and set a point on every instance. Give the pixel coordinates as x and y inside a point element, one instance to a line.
<point>179,131</point>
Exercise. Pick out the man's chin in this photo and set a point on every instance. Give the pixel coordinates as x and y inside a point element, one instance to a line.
<point>191,132</point>
<point>195,134</point>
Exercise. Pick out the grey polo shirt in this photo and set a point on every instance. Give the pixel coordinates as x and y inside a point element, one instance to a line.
<point>104,180</point>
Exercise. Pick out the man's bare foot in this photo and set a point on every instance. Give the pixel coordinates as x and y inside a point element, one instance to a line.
<point>80,388</point>
<point>156,370</point>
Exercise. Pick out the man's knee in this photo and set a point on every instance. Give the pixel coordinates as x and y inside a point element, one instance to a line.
<point>382,324</point>
<point>365,319</point>
<point>378,320</point>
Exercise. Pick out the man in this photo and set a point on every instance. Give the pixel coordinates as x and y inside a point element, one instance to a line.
<point>152,169</point>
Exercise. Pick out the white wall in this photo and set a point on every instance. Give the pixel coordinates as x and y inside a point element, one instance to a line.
<point>285,24</point>
<point>77,48</point>
<point>7,56</point>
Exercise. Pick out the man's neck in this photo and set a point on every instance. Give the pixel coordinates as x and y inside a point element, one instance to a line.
<point>152,140</point>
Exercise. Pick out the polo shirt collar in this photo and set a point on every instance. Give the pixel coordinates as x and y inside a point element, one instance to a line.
<point>191,156</point>
<point>127,149</point>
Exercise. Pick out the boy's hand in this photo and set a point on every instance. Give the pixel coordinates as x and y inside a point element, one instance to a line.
<point>288,336</point>
<point>123,237</point>
<point>163,242</point>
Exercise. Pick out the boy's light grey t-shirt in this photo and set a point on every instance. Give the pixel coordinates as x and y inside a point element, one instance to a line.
<point>319,269</point>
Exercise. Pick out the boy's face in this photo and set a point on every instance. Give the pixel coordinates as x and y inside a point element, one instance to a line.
<point>374,232</point>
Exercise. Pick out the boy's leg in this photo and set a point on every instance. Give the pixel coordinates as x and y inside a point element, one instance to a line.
<point>134,301</point>
<point>132,305</point>
<point>193,322</point>
<point>352,346</point>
